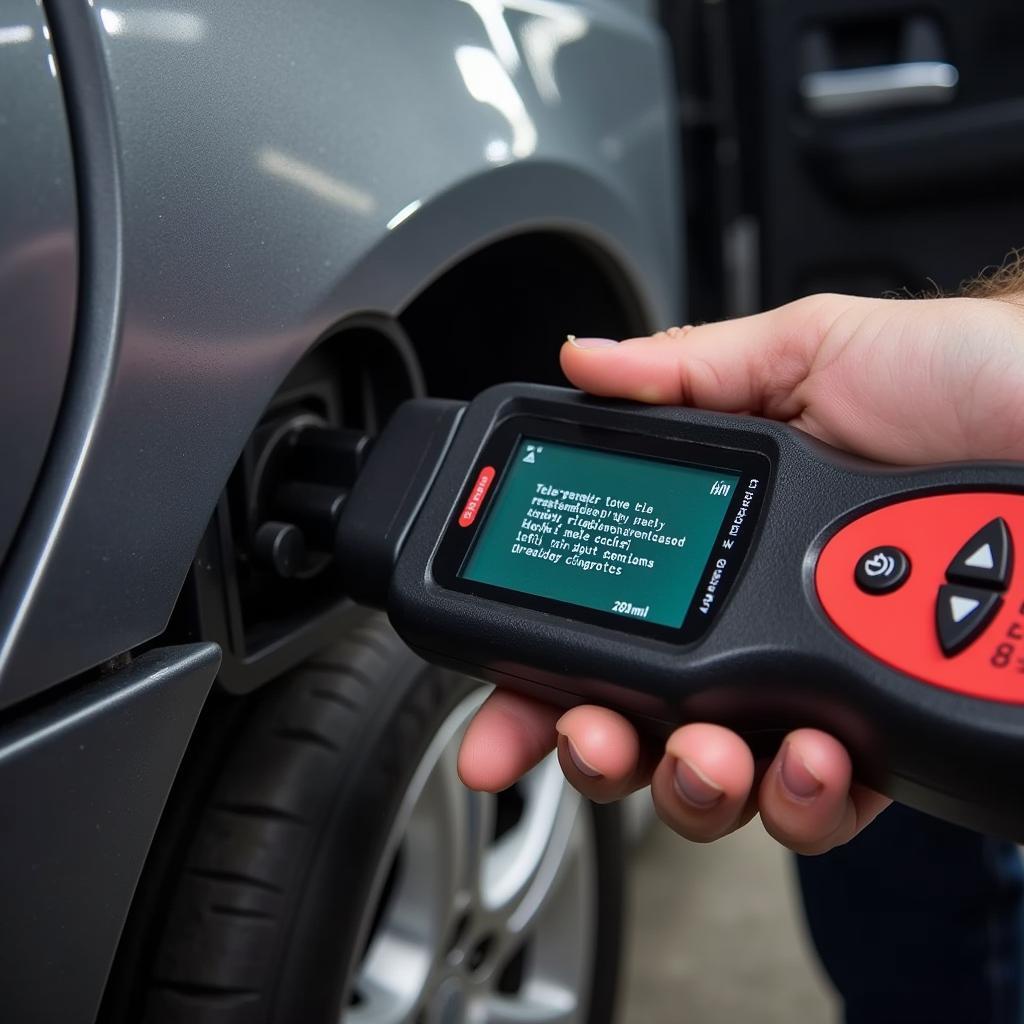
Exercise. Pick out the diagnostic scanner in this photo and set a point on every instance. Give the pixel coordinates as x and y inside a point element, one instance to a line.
<point>681,566</point>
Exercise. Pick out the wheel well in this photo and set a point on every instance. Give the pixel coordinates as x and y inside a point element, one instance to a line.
<point>501,313</point>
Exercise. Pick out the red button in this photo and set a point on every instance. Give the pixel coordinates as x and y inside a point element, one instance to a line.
<point>476,496</point>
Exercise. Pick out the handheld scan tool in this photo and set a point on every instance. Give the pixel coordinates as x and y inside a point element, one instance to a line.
<point>687,566</point>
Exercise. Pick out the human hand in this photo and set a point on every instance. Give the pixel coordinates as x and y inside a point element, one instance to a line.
<point>894,380</point>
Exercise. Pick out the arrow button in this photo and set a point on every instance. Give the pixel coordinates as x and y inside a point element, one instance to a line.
<point>986,560</point>
<point>982,558</point>
<point>961,607</point>
<point>961,614</point>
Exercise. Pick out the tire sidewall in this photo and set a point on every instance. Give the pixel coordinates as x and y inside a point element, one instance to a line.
<point>321,951</point>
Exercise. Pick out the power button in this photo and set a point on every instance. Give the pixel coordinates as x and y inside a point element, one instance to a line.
<point>881,570</point>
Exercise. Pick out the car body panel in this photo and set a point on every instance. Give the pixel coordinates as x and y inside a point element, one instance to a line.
<point>38,252</point>
<point>256,172</point>
<point>82,786</point>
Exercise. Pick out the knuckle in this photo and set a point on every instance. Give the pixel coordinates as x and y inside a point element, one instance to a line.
<point>800,837</point>
<point>696,831</point>
<point>600,793</point>
<point>678,332</point>
<point>808,838</point>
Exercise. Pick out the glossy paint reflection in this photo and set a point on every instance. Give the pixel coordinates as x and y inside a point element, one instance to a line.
<point>488,82</point>
<point>38,253</point>
<point>492,15</point>
<point>315,181</point>
<point>159,25</point>
<point>543,36</point>
<point>551,26</point>
<point>404,214</point>
<point>16,34</point>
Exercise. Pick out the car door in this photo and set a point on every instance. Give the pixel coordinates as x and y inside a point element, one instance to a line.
<point>863,146</point>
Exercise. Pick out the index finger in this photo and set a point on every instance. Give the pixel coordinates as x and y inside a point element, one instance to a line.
<point>506,738</point>
<point>752,364</point>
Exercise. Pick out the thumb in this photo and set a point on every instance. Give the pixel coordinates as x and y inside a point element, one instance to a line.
<point>752,364</point>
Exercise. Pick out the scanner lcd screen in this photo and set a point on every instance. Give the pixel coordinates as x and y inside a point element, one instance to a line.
<point>623,534</point>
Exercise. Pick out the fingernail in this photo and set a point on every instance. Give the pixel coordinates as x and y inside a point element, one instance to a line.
<point>577,759</point>
<point>590,342</point>
<point>694,787</point>
<point>801,782</point>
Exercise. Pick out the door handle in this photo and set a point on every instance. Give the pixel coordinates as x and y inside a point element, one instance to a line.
<point>882,87</point>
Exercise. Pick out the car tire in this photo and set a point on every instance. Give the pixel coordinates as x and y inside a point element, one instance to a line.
<point>338,871</point>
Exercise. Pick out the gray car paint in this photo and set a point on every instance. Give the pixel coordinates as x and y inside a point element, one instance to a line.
<point>38,253</point>
<point>78,823</point>
<point>252,172</point>
<point>248,175</point>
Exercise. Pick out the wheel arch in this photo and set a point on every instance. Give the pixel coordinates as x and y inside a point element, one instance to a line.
<point>172,461</point>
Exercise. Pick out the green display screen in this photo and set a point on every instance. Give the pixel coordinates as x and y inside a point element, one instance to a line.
<point>622,534</point>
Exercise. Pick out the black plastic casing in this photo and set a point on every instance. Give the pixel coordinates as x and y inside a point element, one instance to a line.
<point>771,660</point>
<point>391,488</point>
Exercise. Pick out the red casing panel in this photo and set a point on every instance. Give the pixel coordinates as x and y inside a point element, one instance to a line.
<point>898,628</point>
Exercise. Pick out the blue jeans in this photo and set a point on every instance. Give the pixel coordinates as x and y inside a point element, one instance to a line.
<point>920,921</point>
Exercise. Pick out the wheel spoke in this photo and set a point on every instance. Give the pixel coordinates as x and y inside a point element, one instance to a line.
<point>434,828</point>
<point>461,901</point>
<point>469,818</point>
<point>555,932</point>
<point>526,864</point>
<point>544,1004</point>
<point>390,981</point>
<point>482,808</point>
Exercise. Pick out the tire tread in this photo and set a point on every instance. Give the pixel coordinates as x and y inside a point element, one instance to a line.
<point>225,928</point>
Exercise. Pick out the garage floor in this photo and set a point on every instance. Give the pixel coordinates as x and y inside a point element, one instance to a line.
<point>716,935</point>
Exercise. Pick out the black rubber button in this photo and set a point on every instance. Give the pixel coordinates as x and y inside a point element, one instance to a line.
<point>961,613</point>
<point>986,559</point>
<point>881,570</point>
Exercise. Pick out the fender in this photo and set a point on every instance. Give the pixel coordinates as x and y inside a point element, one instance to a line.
<point>252,174</point>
